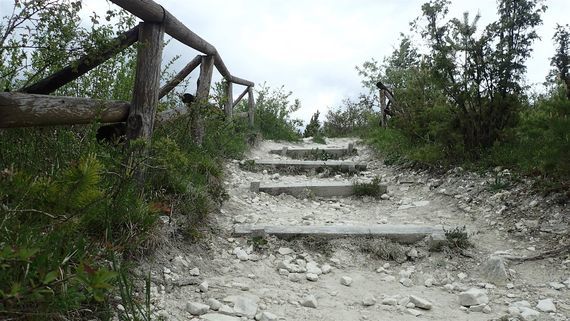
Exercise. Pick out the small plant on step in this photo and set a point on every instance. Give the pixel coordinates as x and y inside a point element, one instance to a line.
<point>458,238</point>
<point>259,243</point>
<point>372,189</point>
<point>501,182</point>
<point>248,165</point>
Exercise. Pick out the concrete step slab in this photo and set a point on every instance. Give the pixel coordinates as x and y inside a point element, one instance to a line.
<point>321,189</point>
<point>311,165</point>
<point>304,152</point>
<point>406,234</point>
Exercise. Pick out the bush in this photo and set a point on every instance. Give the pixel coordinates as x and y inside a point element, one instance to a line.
<point>352,118</point>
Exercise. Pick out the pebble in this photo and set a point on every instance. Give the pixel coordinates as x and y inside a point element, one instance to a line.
<point>473,296</point>
<point>528,314</point>
<point>420,302</point>
<point>203,287</point>
<point>429,282</point>
<point>385,197</point>
<point>266,316</point>
<point>285,251</point>
<point>390,301</point>
<point>196,308</point>
<point>312,277</point>
<point>406,282</point>
<point>414,312</point>
<point>546,305</point>
<point>309,301</point>
<point>241,254</point>
<point>346,281</point>
<point>295,277</point>
<point>326,269</point>
<point>214,304</point>
<point>369,300</point>
<point>557,286</point>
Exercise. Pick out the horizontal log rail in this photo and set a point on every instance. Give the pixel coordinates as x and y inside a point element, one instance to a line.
<point>83,65</point>
<point>150,11</point>
<point>25,110</point>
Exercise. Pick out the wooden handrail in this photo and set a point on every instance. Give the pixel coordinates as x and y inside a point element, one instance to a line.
<point>150,11</point>
<point>180,76</point>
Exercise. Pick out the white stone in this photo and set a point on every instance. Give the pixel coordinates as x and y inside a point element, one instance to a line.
<point>283,272</point>
<point>214,304</point>
<point>285,251</point>
<point>295,277</point>
<point>385,197</point>
<point>267,316</point>
<point>528,314</point>
<point>195,272</point>
<point>487,309</point>
<point>241,254</point>
<point>420,302</point>
<point>369,300</point>
<point>520,304</point>
<point>166,270</point>
<point>218,317</point>
<point>429,282</point>
<point>196,308</point>
<point>244,305</point>
<point>546,305</point>
<point>557,286</point>
<point>346,281</point>
<point>313,268</point>
<point>309,301</point>
<point>495,271</point>
<point>312,277</point>
<point>462,276</point>
<point>390,301</point>
<point>406,282</point>
<point>326,269</point>
<point>203,287</point>
<point>414,312</point>
<point>473,296</point>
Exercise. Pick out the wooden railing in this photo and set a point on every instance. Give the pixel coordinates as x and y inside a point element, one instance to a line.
<point>32,106</point>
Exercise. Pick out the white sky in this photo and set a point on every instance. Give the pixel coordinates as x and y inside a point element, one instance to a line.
<point>312,46</point>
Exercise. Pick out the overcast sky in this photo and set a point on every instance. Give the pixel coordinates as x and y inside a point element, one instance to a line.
<point>312,46</point>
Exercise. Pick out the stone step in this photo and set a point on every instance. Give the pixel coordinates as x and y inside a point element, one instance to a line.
<point>322,189</point>
<point>406,234</point>
<point>311,165</point>
<point>300,152</point>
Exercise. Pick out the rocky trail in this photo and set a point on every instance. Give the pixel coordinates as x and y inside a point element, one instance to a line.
<point>225,277</point>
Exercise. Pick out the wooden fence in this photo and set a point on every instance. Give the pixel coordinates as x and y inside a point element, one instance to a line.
<point>32,106</point>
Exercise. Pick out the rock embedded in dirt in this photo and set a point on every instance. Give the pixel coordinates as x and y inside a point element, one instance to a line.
<point>346,280</point>
<point>285,251</point>
<point>309,301</point>
<point>495,271</point>
<point>313,268</point>
<point>244,305</point>
<point>295,277</point>
<point>312,277</point>
<point>414,312</point>
<point>266,316</point>
<point>546,305</point>
<point>195,272</point>
<point>528,314</point>
<point>241,254</point>
<point>326,269</point>
<point>218,317</point>
<point>196,308</point>
<point>406,282</point>
<point>420,302</point>
<point>214,304</point>
<point>203,287</point>
<point>369,300</point>
<point>473,296</point>
<point>557,285</point>
<point>390,301</point>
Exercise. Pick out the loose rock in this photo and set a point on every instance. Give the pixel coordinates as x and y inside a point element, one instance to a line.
<point>196,308</point>
<point>473,296</point>
<point>346,281</point>
<point>420,302</point>
<point>546,305</point>
<point>369,300</point>
<point>309,301</point>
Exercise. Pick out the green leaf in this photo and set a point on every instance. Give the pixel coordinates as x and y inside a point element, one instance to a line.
<point>50,277</point>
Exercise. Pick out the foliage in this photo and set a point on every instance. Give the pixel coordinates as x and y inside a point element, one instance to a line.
<point>314,126</point>
<point>458,238</point>
<point>273,112</point>
<point>70,205</point>
<point>373,189</point>
<point>350,119</point>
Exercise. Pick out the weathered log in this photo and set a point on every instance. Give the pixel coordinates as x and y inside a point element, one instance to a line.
<point>150,11</point>
<point>241,96</point>
<point>229,103</point>
<point>202,93</point>
<point>172,83</point>
<point>251,106</point>
<point>26,110</point>
<point>83,65</point>
<point>383,118</point>
<point>147,81</point>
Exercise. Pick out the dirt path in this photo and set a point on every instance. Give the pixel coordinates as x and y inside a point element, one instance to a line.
<point>251,279</point>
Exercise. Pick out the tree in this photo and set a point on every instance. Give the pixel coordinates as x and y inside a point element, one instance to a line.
<point>561,59</point>
<point>314,126</point>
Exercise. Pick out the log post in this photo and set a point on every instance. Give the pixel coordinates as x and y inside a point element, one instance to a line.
<point>251,106</point>
<point>229,103</point>
<point>383,118</point>
<point>202,94</point>
<point>147,81</point>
